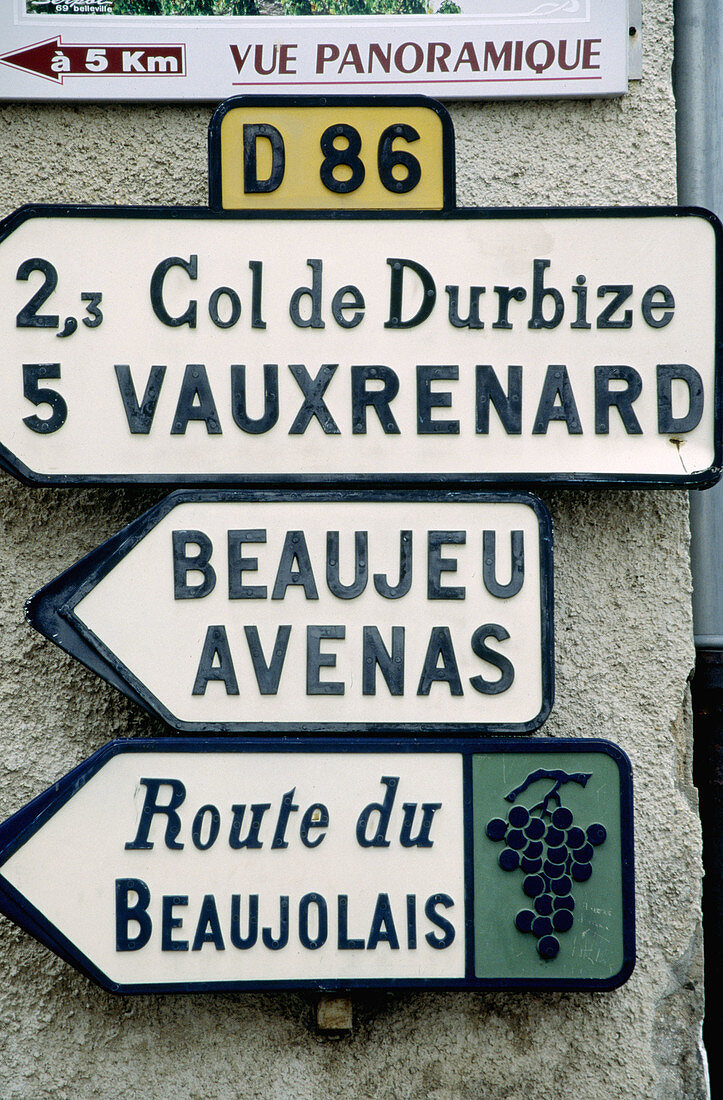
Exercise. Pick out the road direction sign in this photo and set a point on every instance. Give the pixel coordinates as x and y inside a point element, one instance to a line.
<point>181,345</point>
<point>56,60</point>
<point>227,611</point>
<point>175,865</point>
<point>331,152</point>
<point>497,49</point>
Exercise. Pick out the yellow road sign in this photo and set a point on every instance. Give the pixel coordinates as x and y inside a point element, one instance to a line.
<point>338,153</point>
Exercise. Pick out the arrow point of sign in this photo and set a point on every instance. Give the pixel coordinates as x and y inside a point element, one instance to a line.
<point>45,611</point>
<point>35,59</point>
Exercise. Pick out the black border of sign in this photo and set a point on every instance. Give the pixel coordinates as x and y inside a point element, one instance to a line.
<point>701,479</point>
<point>27,821</point>
<point>51,611</point>
<point>215,195</point>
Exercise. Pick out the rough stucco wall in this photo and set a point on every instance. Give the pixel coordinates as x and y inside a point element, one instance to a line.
<point>624,650</point>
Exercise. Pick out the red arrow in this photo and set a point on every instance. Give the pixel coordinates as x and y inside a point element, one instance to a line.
<point>54,60</point>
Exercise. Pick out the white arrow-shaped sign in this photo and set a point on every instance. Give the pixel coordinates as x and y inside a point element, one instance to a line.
<point>248,612</point>
<point>174,865</point>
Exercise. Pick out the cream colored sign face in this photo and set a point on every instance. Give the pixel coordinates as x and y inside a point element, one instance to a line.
<point>196,894</point>
<point>232,614</point>
<point>464,347</point>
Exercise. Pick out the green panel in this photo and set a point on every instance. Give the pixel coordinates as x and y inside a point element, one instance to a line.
<point>593,946</point>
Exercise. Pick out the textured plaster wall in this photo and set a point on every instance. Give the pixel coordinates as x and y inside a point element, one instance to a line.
<point>624,651</point>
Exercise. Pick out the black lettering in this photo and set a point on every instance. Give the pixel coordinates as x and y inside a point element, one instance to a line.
<point>384,810</point>
<point>376,655</point>
<point>313,391</point>
<point>28,317</point>
<point>505,295</point>
<point>195,402</point>
<point>621,294</point>
<point>412,921</point>
<point>316,660</point>
<point>430,911</point>
<point>312,943</point>
<point>257,273</point>
<point>339,306</point>
<point>379,399</point>
<point>382,929</point>
<point>421,840</point>
<point>649,305</point>
<point>237,565</point>
<point>43,395</point>
<point>208,929</point>
<point>125,912</point>
<point>580,292</point>
<point>396,283</point>
<point>348,156</point>
<point>361,565</point>
<point>440,648</point>
<point>508,406</point>
<point>472,320</point>
<point>268,939</point>
<point>295,550</point>
<point>381,582</point>
<point>316,817</point>
<point>557,387</point>
<point>139,416</point>
<point>268,675</point>
<point>215,647</point>
<point>251,840</point>
<point>252,131</point>
<point>188,317</point>
<point>667,373</point>
<point>169,922</point>
<point>271,399</point>
<point>492,657</point>
<point>214,819</point>
<point>183,564</point>
<point>151,807</point>
<point>436,565</point>
<point>314,293</point>
<point>286,809</point>
<point>489,565</point>
<point>234,311</point>
<point>344,943</point>
<point>243,943</point>
<point>427,400</point>
<point>622,400</point>
<point>539,293</point>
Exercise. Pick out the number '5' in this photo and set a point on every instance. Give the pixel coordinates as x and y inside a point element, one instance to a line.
<point>41,395</point>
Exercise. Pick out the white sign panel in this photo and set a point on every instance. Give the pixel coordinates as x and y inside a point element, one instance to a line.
<point>98,914</point>
<point>235,612</point>
<point>471,48</point>
<point>185,345</point>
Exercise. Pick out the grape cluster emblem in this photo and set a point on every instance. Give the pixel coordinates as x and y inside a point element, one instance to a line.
<point>552,852</point>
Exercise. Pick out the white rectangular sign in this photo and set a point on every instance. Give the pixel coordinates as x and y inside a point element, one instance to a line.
<point>480,49</point>
<point>477,345</point>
